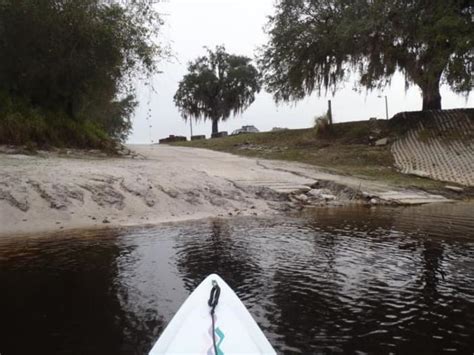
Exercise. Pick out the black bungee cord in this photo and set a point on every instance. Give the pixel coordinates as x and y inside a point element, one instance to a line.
<point>213,300</point>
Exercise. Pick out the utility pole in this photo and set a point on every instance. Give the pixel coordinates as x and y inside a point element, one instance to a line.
<point>330,112</point>
<point>386,105</point>
<point>191,127</point>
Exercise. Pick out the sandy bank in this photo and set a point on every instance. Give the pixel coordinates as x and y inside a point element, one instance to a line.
<point>47,193</point>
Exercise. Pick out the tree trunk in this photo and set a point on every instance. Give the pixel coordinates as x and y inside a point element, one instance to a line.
<point>431,97</point>
<point>215,128</point>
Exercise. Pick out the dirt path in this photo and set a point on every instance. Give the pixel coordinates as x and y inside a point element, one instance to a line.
<point>47,193</point>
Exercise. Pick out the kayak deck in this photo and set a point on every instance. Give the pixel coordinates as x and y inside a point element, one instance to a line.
<point>190,330</point>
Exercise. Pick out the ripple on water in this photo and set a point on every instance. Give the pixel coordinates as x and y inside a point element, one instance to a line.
<point>340,280</point>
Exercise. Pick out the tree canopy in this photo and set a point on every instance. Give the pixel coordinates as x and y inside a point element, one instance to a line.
<point>217,86</point>
<point>315,45</point>
<point>77,57</point>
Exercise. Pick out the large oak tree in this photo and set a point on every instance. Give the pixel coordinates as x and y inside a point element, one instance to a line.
<point>317,44</point>
<point>217,86</point>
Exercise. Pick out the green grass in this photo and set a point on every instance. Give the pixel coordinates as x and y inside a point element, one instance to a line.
<point>344,150</point>
<point>20,124</point>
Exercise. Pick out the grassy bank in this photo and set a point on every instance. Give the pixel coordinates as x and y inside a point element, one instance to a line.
<point>344,149</point>
<point>23,125</point>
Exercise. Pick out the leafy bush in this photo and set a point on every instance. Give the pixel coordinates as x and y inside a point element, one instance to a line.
<point>321,125</point>
<point>21,124</point>
<point>68,65</point>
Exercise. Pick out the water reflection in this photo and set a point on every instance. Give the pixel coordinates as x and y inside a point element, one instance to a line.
<point>59,296</point>
<point>216,250</point>
<point>338,280</point>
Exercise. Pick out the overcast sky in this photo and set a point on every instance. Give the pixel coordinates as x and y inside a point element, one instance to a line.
<point>238,24</point>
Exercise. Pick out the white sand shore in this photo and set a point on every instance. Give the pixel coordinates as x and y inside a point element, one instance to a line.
<point>48,193</point>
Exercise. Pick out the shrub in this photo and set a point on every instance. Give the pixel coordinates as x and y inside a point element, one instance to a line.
<point>20,124</point>
<point>321,125</point>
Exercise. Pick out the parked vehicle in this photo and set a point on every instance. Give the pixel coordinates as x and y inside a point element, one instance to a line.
<point>245,129</point>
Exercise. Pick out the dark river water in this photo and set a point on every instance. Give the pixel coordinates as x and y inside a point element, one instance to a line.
<point>351,280</point>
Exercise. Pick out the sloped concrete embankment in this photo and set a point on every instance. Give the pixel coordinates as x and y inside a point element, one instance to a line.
<point>438,145</point>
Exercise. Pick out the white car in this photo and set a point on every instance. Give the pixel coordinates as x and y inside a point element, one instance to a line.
<point>245,129</point>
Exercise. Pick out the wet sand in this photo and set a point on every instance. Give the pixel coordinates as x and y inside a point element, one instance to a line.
<point>160,183</point>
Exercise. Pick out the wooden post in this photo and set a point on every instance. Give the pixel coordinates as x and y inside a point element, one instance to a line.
<point>330,112</point>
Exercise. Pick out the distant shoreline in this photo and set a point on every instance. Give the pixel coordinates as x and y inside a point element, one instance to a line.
<point>159,183</point>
